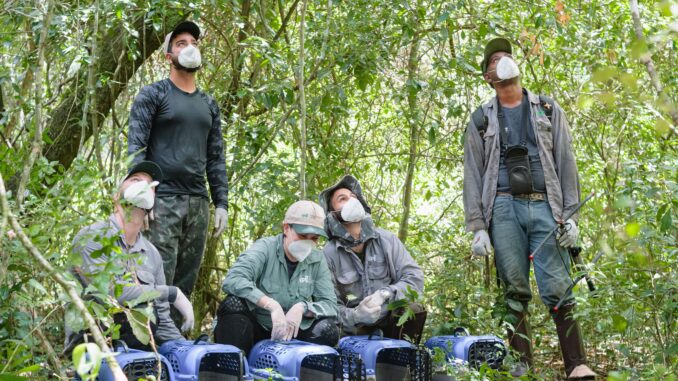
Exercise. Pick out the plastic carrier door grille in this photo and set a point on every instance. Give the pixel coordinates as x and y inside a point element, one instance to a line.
<point>137,369</point>
<point>398,363</point>
<point>318,367</point>
<point>475,350</point>
<point>388,359</point>
<point>320,362</point>
<point>486,351</point>
<point>223,363</point>
<point>292,360</point>
<point>349,367</point>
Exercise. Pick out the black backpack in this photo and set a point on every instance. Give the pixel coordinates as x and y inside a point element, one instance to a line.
<point>480,119</point>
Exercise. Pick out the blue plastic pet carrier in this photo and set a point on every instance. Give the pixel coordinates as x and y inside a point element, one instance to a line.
<point>388,359</point>
<point>200,360</point>
<point>474,350</point>
<point>136,365</point>
<point>298,360</point>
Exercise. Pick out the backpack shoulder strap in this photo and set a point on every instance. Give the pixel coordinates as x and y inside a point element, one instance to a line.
<point>480,120</point>
<point>547,104</point>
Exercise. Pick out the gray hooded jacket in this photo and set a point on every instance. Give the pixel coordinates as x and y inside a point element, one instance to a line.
<point>387,263</point>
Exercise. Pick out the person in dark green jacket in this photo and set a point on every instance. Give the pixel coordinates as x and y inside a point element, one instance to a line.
<point>281,287</point>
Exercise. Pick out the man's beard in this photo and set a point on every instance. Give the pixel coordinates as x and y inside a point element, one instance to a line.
<point>175,62</point>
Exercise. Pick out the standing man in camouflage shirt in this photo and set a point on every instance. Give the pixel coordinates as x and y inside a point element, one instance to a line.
<point>178,126</point>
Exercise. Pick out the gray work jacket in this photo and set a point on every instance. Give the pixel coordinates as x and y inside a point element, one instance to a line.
<point>481,164</point>
<point>387,265</point>
<point>147,267</point>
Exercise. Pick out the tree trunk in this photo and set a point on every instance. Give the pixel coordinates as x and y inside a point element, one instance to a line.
<point>649,65</point>
<point>64,130</point>
<point>412,90</point>
<point>302,103</point>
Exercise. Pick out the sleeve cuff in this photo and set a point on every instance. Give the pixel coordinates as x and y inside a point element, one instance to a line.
<point>394,293</point>
<point>475,226</point>
<point>171,294</point>
<point>254,296</point>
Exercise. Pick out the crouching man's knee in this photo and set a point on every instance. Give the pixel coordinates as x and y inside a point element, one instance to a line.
<point>232,305</point>
<point>324,332</point>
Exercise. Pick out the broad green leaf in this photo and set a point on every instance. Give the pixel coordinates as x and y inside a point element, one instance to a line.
<point>632,229</point>
<point>515,305</point>
<point>617,376</point>
<point>619,323</point>
<point>11,377</point>
<point>87,360</point>
<point>139,323</point>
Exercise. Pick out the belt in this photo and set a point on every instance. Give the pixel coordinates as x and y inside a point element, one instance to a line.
<point>525,196</point>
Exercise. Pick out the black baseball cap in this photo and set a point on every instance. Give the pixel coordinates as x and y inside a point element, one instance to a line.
<point>146,166</point>
<point>182,27</point>
<point>499,44</point>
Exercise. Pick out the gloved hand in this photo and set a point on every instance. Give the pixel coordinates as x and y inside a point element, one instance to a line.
<point>366,312</point>
<point>293,318</point>
<point>377,298</point>
<point>280,328</point>
<point>220,221</point>
<point>184,306</point>
<point>481,243</point>
<point>567,236</point>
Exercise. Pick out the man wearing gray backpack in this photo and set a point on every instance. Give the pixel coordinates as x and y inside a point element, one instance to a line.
<point>520,182</point>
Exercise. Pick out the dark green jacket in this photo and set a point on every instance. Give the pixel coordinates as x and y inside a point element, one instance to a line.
<point>262,270</point>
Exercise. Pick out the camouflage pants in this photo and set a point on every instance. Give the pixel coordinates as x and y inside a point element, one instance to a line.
<point>179,232</point>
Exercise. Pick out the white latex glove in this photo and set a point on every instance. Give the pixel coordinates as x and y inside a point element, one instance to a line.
<point>293,318</point>
<point>280,328</point>
<point>481,243</point>
<point>220,221</point>
<point>375,299</point>
<point>567,236</point>
<point>184,306</point>
<point>366,312</point>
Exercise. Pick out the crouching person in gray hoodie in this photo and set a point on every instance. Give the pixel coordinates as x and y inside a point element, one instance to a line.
<point>370,267</point>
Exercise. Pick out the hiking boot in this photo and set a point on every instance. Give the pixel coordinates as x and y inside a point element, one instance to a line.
<point>521,340</point>
<point>582,372</point>
<point>572,345</point>
<point>519,369</point>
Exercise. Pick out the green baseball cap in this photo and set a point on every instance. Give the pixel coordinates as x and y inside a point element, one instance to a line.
<point>499,44</point>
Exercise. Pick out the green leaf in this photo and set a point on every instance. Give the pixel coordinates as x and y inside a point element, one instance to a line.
<point>617,376</point>
<point>603,74</point>
<point>619,323</point>
<point>87,360</point>
<point>662,127</point>
<point>139,323</point>
<point>432,136</point>
<point>11,377</point>
<point>145,297</point>
<point>409,314</point>
<point>632,229</point>
<point>401,303</point>
<point>664,218</point>
<point>36,285</point>
<point>515,305</point>
<point>30,368</point>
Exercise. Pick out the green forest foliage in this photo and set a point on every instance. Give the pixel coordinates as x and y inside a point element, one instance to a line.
<point>388,89</point>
